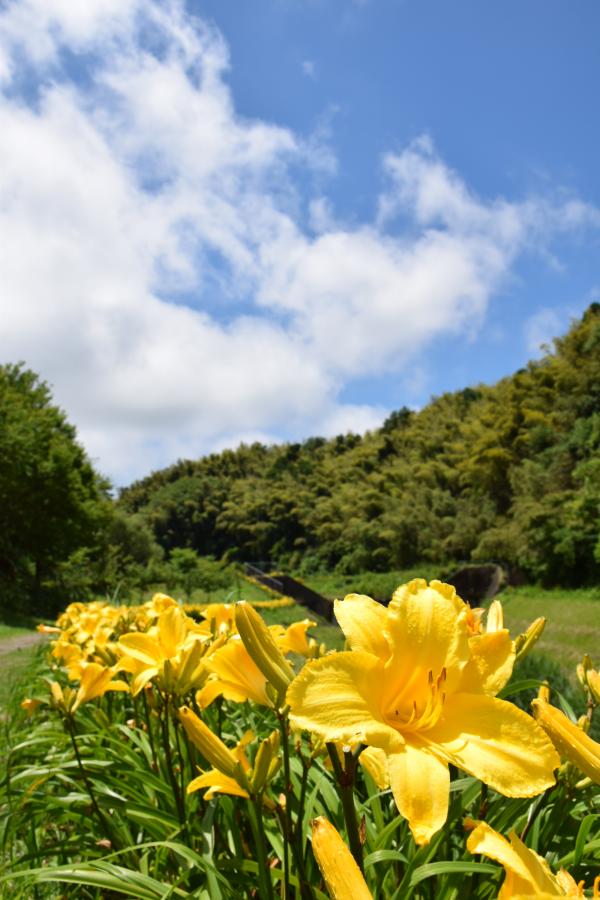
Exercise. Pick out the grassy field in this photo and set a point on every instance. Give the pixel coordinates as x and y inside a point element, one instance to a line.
<point>7,631</point>
<point>572,626</point>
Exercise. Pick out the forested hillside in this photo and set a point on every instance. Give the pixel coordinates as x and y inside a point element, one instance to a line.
<point>508,472</point>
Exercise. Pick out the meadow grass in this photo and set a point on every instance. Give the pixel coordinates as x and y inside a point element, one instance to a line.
<point>7,631</point>
<point>573,621</point>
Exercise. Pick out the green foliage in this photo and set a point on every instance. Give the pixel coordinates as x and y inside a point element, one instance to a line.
<point>509,472</point>
<point>52,503</point>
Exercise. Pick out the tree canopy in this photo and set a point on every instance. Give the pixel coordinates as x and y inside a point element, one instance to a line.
<point>52,502</point>
<point>508,472</point>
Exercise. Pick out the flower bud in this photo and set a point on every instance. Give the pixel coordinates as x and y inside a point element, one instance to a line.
<point>262,763</point>
<point>211,746</point>
<point>342,876</point>
<point>569,739</point>
<point>593,683</point>
<point>526,641</point>
<point>262,648</point>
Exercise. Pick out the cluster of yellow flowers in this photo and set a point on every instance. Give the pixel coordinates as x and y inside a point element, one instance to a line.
<point>159,642</point>
<point>414,692</point>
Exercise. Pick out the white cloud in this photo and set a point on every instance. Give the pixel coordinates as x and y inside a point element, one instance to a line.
<point>309,67</point>
<point>155,264</point>
<point>541,328</point>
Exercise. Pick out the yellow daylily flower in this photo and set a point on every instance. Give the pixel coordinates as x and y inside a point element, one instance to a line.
<point>47,629</point>
<point>527,874</point>
<point>30,705</point>
<point>293,639</point>
<point>220,615</point>
<point>235,676</point>
<point>171,651</point>
<point>159,604</point>
<point>96,680</point>
<point>342,876</point>
<point>569,739</point>
<point>418,686</point>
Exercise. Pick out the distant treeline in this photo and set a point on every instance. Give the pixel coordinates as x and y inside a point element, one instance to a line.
<point>509,472</point>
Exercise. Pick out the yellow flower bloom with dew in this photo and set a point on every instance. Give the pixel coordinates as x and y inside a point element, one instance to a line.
<point>527,873</point>
<point>342,876</point>
<point>569,739</point>
<point>418,686</point>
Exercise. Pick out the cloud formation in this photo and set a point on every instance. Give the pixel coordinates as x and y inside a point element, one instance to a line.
<point>164,267</point>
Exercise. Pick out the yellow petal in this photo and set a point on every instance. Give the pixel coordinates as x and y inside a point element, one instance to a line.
<point>172,631</point>
<point>496,742</point>
<point>238,675</point>
<point>527,873</point>
<point>421,785</point>
<point>568,884</point>
<point>142,678</point>
<point>491,663</point>
<point>217,783</point>
<point>142,647</point>
<point>294,639</point>
<point>569,739</point>
<point>363,621</point>
<point>211,690</point>
<point>495,617</point>
<point>337,698</point>
<point>342,876</point>
<point>427,633</point>
<point>375,762</point>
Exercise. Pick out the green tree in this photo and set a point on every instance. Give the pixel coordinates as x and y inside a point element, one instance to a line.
<point>52,502</point>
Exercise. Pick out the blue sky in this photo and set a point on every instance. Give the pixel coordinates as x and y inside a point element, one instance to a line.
<point>264,219</point>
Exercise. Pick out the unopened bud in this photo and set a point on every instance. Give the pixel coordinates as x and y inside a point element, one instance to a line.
<point>211,746</point>
<point>593,683</point>
<point>584,723</point>
<point>526,641</point>
<point>544,692</point>
<point>262,648</point>
<point>260,770</point>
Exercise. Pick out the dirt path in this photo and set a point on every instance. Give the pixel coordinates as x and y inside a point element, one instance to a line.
<point>19,642</point>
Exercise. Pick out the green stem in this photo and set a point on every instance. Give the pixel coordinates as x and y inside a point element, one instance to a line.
<point>169,762</point>
<point>345,782</point>
<point>100,815</point>
<point>258,831</point>
<point>287,831</point>
<point>306,890</point>
<point>147,717</point>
